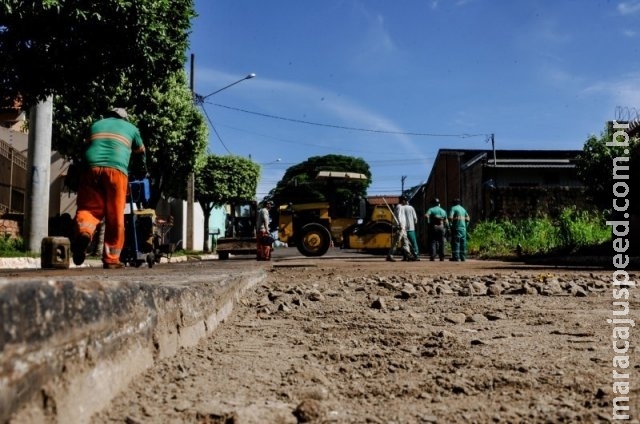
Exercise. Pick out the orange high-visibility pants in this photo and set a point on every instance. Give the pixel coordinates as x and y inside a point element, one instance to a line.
<point>264,252</point>
<point>103,194</point>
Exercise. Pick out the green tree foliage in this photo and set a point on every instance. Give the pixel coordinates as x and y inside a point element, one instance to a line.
<point>595,167</point>
<point>61,47</point>
<point>93,56</point>
<point>175,134</point>
<point>225,180</point>
<point>299,183</point>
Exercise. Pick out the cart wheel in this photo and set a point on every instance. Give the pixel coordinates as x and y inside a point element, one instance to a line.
<point>137,264</point>
<point>150,260</point>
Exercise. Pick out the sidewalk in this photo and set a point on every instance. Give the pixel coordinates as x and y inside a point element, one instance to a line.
<point>34,263</point>
<point>68,344</point>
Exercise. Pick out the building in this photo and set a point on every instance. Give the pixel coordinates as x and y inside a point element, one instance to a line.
<point>494,184</point>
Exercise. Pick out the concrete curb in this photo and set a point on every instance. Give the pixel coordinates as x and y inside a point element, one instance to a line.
<point>35,263</point>
<point>68,347</point>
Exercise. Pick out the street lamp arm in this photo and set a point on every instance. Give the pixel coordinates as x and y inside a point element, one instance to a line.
<point>200,99</point>
<point>272,162</point>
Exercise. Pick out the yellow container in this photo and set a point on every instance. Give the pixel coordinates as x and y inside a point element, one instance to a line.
<point>55,252</point>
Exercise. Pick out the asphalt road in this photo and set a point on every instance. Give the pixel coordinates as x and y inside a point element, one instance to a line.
<point>196,267</point>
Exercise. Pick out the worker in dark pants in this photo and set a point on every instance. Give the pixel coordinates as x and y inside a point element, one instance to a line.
<point>437,226</point>
<point>459,219</point>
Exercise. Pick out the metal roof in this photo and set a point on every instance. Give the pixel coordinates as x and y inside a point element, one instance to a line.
<point>534,165</point>
<point>341,174</point>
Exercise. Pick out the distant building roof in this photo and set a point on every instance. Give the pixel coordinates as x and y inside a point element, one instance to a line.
<point>391,199</point>
<point>515,158</point>
<point>13,113</point>
<point>341,174</point>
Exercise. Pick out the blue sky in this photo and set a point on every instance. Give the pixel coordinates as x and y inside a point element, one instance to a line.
<point>394,81</point>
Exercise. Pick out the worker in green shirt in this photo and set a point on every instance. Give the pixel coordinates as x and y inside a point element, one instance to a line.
<point>458,219</point>
<point>103,188</point>
<point>437,225</point>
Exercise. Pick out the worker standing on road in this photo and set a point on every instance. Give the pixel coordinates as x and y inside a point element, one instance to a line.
<point>103,187</point>
<point>437,225</point>
<point>459,219</point>
<point>262,232</point>
<point>400,235</point>
<point>412,220</point>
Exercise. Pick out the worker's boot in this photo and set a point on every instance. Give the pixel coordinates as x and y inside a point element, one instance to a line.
<point>79,247</point>
<point>390,258</point>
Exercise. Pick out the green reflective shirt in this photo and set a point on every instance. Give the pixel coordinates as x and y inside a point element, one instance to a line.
<point>458,217</point>
<point>111,142</point>
<point>436,216</point>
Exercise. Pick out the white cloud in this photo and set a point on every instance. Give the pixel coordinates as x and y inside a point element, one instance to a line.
<point>629,33</point>
<point>377,38</point>
<point>624,91</point>
<point>551,31</point>
<point>629,7</point>
<point>557,75</point>
<point>436,3</point>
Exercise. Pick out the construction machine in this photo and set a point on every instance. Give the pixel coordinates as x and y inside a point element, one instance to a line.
<point>314,227</point>
<point>240,231</point>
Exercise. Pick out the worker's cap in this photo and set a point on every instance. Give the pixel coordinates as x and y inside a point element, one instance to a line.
<point>456,201</point>
<point>268,203</point>
<point>404,197</point>
<point>119,112</point>
<point>436,201</point>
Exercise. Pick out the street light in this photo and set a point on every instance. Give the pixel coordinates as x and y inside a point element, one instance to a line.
<point>272,162</point>
<point>191,195</point>
<point>200,99</point>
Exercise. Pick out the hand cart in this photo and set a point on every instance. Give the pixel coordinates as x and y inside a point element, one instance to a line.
<point>138,245</point>
<point>161,245</point>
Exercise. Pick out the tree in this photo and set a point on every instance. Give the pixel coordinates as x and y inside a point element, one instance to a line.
<point>299,184</point>
<point>94,56</point>
<point>595,167</point>
<point>87,52</point>
<point>176,133</point>
<point>225,180</point>
<point>61,47</point>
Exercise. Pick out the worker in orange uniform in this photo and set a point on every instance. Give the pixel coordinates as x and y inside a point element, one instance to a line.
<point>263,235</point>
<point>103,188</point>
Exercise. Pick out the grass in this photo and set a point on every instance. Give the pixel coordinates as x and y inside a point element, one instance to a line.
<point>11,247</point>
<point>572,230</point>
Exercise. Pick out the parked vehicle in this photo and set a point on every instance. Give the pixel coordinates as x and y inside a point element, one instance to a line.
<point>240,233</point>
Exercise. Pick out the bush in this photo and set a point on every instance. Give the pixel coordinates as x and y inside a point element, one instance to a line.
<point>571,230</point>
<point>489,239</point>
<point>10,246</point>
<point>581,228</point>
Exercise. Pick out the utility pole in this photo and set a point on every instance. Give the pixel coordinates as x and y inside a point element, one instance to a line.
<point>493,147</point>
<point>404,177</point>
<point>36,215</point>
<point>191,180</point>
<point>199,100</point>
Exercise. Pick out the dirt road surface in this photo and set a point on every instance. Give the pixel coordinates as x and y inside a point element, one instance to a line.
<point>367,341</point>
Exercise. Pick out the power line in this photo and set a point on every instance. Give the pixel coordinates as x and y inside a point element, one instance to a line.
<point>299,121</point>
<point>214,130</point>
